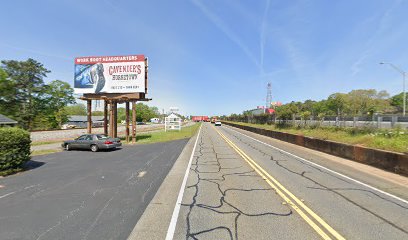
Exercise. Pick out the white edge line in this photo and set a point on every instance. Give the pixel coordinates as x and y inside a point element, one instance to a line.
<point>8,194</point>
<point>176,211</point>
<point>327,169</point>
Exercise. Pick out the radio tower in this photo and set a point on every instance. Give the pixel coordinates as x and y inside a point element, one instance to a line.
<point>268,96</point>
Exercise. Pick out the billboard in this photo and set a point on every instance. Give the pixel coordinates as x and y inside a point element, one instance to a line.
<point>110,74</point>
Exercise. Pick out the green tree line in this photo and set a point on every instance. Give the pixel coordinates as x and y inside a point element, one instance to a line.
<point>355,103</point>
<point>143,112</point>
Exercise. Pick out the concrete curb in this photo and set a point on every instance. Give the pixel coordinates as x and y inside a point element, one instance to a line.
<point>390,161</point>
<point>156,218</point>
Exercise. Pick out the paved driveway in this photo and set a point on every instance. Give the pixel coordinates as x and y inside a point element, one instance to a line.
<point>84,195</point>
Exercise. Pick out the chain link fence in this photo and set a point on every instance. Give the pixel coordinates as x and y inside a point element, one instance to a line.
<point>376,121</point>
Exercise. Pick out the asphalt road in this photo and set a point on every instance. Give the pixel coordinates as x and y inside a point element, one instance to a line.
<point>239,188</point>
<point>84,195</point>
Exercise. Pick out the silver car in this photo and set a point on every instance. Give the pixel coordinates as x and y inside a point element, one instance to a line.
<point>94,142</point>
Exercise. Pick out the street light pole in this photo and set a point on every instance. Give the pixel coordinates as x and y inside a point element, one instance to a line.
<point>403,85</point>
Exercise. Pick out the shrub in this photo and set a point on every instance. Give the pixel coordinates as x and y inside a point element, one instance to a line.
<point>14,148</point>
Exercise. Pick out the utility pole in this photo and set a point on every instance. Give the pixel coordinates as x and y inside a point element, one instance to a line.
<point>403,73</point>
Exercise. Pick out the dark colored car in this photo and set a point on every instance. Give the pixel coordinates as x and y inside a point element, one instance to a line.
<point>94,142</point>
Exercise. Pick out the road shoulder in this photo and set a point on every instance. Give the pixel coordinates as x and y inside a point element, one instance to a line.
<point>155,220</point>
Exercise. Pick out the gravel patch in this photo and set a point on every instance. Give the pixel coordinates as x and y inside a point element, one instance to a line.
<point>43,136</point>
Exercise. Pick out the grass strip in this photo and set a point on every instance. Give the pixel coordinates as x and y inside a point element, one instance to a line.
<point>162,136</point>
<point>10,171</point>
<point>45,142</point>
<point>45,151</point>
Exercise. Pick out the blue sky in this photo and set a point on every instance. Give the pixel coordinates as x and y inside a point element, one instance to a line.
<point>213,57</point>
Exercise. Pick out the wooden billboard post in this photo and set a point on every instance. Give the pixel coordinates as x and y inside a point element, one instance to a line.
<point>89,116</point>
<point>105,117</point>
<point>115,119</point>
<point>111,119</point>
<point>134,122</point>
<point>127,121</point>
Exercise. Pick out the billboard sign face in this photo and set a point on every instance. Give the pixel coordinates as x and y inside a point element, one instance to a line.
<point>110,74</point>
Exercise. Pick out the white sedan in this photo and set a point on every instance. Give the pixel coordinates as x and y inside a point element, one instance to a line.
<point>217,123</point>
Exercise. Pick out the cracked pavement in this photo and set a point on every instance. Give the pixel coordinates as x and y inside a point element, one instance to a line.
<point>226,199</point>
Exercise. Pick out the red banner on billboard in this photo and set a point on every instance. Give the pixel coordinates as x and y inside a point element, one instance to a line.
<point>109,59</point>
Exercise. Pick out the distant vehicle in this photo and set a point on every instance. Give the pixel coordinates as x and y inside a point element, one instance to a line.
<point>94,142</point>
<point>68,126</point>
<point>155,120</point>
<point>213,120</point>
<point>200,119</point>
<point>140,123</point>
<point>218,123</point>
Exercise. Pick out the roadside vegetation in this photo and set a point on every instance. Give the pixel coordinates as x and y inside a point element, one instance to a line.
<point>395,140</point>
<point>162,136</point>
<point>14,150</point>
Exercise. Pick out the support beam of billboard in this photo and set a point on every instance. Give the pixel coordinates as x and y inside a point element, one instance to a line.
<point>134,122</point>
<point>120,98</point>
<point>89,116</point>
<point>105,117</point>
<point>111,126</point>
<point>115,119</point>
<point>146,72</point>
<point>127,121</point>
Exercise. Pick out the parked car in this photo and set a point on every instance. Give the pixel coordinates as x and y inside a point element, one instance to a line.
<point>94,142</point>
<point>218,123</point>
<point>68,126</point>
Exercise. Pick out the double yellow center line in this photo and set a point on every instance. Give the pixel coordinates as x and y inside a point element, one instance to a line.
<point>310,217</point>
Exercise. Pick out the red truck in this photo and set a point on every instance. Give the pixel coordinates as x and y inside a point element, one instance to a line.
<point>200,119</point>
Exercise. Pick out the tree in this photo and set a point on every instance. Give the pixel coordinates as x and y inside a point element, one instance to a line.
<point>77,109</point>
<point>97,113</point>
<point>337,103</point>
<point>122,114</point>
<point>287,111</point>
<point>7,105</point>
<point>26,79</point>
<point>397,101</point>
<point>321,109</point>
<point>367,101</point>
<point>57,96</point>
<point>145,113</point>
